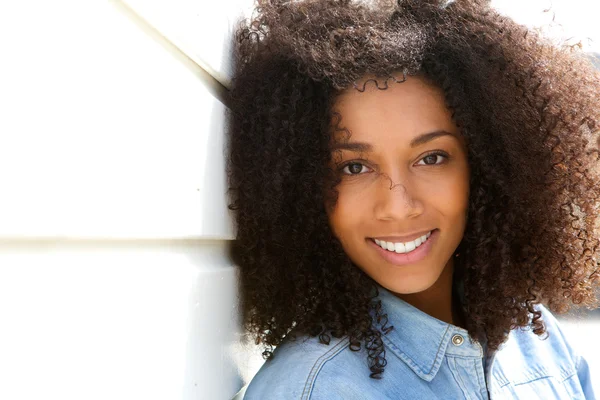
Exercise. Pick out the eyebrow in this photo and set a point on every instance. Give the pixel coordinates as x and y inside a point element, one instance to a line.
<point>418,141</point>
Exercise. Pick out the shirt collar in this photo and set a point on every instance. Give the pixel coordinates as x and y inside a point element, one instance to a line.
<point>420,340</point>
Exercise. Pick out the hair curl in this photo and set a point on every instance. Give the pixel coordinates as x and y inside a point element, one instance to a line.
<point>528,108</point>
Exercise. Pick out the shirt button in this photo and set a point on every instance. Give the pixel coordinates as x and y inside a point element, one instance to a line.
<point>457,340</point>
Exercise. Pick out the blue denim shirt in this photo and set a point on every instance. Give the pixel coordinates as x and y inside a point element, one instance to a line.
<point>426,359</point>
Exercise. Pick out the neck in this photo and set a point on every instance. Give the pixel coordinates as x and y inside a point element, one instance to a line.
<point>437,300</point>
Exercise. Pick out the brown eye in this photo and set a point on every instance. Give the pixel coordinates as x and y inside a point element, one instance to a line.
<point>434,158</point>
<point>354,169</point>
<point>431,159</point>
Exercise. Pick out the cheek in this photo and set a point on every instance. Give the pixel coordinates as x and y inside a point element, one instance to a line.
<point>345,215</point>
<point>453,196</point>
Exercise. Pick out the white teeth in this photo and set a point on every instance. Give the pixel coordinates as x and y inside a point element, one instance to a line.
<point>399,248</point>
<point>403,247</point>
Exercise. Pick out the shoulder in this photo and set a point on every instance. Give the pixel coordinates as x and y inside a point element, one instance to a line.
<point>554,342</point>
<point>304,369</point>
<point>546,349</point>
<point>527,360</point>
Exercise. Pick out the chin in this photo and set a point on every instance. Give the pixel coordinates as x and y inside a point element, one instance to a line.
<point>406,286</point>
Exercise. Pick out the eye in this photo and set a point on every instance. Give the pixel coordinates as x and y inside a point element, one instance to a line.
<point>355,168</point>
<point>434,158</point>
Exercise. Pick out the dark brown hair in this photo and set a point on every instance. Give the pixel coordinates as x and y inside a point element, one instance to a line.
<point>529,110</point>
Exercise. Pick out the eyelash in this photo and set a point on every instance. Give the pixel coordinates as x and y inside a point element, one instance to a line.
<point>436,153</point>
<point>433,153</point>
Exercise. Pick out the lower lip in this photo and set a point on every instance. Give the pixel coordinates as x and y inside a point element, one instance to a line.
<point>407,258</point>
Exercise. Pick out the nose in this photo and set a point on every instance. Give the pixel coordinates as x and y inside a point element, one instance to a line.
<point>396,199</point>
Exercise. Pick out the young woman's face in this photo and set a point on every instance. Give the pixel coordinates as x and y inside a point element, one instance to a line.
<point>404,176</point>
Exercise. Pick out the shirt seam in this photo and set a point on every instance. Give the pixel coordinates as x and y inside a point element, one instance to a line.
<point>569,377</point>
<point>561,375</point>
<point>578,361</point>
<point>484,390</point>
<point>533,380</point>
<point>458,378</point>
<point>411,361</point>
<point>310,380</point>
<point>462,356</point>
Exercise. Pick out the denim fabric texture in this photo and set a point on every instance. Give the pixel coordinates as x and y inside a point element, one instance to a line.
<point>426,359</point>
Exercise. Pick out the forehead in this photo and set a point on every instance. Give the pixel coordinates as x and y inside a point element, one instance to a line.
<point>405,108</point>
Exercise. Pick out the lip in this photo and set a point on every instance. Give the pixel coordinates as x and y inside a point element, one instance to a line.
<point>407,258</point>
<point>403,239</point>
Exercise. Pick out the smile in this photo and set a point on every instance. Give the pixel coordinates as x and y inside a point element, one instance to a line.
<point>406,247</point>
<point>413,252</point>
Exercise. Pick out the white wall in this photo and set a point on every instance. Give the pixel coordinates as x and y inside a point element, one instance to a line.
<point>560,19</point>
<point>114,280</point>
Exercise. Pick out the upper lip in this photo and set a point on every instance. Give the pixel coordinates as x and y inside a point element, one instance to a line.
<point>403,239</point>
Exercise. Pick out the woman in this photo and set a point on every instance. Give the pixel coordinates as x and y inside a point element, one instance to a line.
<point>415,185</point>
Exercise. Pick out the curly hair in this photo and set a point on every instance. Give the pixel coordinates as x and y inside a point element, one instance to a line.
<point>528,108</point>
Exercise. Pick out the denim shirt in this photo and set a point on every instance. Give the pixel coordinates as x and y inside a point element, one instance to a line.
<point>426,359</point>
